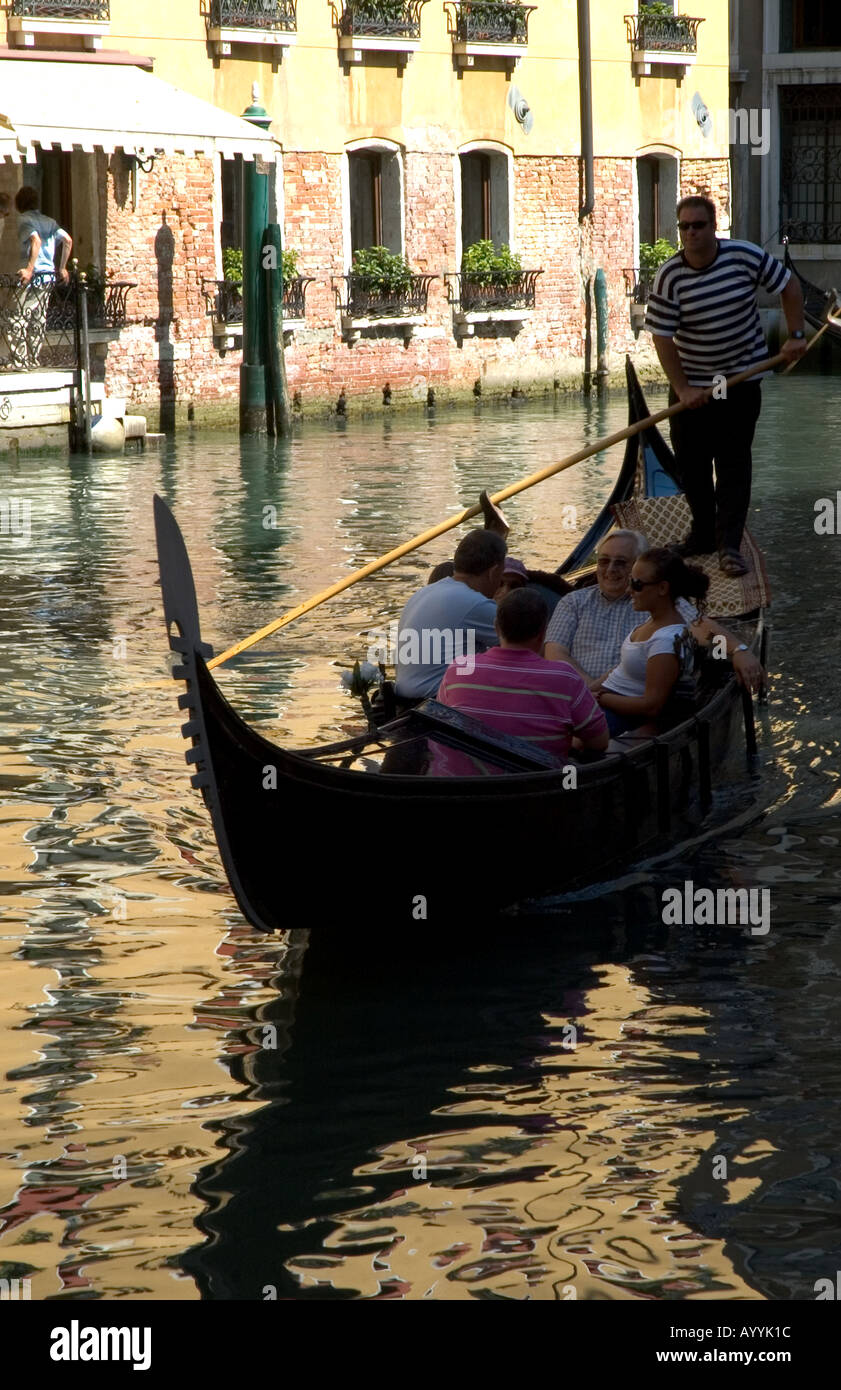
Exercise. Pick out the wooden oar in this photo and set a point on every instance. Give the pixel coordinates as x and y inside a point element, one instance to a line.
<point>511,491</point>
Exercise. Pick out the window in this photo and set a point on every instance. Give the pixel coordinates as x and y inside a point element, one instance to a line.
<point>657,192</point>
<point>374,178</point>
<point>809,24</point>
<point>810,164</point>
<point>484,198</point>
<point>230,228</point>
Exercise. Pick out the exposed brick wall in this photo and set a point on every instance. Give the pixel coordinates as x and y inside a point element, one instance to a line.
<point>169,356</point>
<point>167,245</point>
<point>712,178</point>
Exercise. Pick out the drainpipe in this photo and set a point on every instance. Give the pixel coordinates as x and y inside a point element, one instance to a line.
<point>585,90</point>
<point>255,216</point>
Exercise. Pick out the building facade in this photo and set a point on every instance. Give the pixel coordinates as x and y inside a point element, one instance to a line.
<point>786,83</point>
<point>420,126</point>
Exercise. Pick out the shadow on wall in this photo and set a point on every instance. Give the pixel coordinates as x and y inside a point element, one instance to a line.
<point>164,255</point>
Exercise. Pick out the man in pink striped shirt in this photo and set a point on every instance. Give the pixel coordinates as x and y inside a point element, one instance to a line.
<point>513,689</point>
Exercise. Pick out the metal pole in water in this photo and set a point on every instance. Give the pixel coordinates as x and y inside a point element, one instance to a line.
<point>255,216</point>
<point>86,360</point>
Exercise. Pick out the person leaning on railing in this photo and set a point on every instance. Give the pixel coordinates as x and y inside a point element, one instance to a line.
<point>37,238</point>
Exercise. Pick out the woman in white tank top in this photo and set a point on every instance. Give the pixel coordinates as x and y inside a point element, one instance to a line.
<point>653,655</point>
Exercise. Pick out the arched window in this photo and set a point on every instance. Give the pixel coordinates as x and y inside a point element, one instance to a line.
<point>657,190</point>
<point>375,197</point>
<point>485,196</point>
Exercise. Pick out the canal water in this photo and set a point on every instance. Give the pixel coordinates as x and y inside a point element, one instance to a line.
<point>605,1107</point>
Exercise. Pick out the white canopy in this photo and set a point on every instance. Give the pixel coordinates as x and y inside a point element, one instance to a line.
<point>113,107</point>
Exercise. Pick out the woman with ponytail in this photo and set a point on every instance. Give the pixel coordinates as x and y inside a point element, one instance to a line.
<point>655,654</point>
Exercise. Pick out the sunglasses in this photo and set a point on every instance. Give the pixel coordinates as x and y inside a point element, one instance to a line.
<point>639,584</point>
<point>692,226</point>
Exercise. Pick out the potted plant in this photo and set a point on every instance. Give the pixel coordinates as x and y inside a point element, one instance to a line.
<point>657,20</point>
<point>376,11</point>
<point>487,19</point>
<point>482,264</point>
<point>378,272</point>
<point>652,256</point>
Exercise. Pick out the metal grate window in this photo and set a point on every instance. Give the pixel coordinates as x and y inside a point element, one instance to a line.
<point>810,165</point>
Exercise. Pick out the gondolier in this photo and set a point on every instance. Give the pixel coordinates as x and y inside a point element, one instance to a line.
<point>703,315</point>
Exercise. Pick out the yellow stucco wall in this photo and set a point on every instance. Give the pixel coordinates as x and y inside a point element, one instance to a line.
<point>317,104</point>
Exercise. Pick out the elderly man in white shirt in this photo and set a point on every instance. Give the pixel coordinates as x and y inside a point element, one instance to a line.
<point>589,625</point>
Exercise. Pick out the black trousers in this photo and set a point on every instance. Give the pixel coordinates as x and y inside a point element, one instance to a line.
<point>719,432</point>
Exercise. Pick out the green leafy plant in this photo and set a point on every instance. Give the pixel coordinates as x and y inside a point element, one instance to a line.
<point>376,270</point>
<point>652,255</point>
<point>488,14</point>
<point>483,264</point>
<point>657,8</point>
<point>232,263</point>
<point>382,11</point>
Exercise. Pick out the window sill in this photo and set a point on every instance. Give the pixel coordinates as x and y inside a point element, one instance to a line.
<point>227,337</point>
<point>22,31</point>
<point>815,250</point>
<point>221,40</point>
<point>643,59</point>
<point>464,323</point>
<point>352,47</point>
<point>467,53</point>
<point>406,324</point>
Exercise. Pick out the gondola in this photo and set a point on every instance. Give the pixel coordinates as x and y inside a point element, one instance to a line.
<point>816,302</point>
<point>365,821</point>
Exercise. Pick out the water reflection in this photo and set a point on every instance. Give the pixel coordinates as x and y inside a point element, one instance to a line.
<point>181,1118</point>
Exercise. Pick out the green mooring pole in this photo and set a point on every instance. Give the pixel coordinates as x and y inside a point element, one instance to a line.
<point>600,296</point>
<point>255,216</point>
<point>278,413</point>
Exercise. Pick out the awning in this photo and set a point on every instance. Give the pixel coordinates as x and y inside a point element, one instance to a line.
<point>92,106</point>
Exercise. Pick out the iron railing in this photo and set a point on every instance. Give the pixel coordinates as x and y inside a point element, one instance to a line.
<point>492,21</point>
<point>357,302</point>
<point>254,14</point>
<point>469,296</point>
<point>663,33</point>
<point>38,321</point>
<point>223,298</point>
<point>385,19</point>
<point>99,10</point>
<point>810,163</point>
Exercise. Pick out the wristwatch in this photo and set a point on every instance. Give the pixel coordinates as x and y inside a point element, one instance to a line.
<point>798,333</point>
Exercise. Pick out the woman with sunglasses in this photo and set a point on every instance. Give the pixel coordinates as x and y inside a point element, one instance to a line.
<point>655,654</point>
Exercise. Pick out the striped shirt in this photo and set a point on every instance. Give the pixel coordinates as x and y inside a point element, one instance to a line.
<point>592,628</point>
<point>518,692</point>
<point>711,313</point>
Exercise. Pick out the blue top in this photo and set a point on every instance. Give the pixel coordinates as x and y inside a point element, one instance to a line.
<point>49,232</point>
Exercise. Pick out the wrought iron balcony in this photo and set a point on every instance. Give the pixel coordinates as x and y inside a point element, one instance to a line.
<point>507,305</point>
<point>383,19</point>
<point>38,322</point>
<point>492,21</point>
<point>638,284</point>
<point>662,38</point>
<point>468,295</point>
<point>97,10</point>
<point>223,299</point>
<point>357,302</point>
<point>277,16</point>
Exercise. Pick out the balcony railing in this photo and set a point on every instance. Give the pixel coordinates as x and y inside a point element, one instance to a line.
<point>471,297</point>
<point>663,33</point>
<point>38,321</point>
<point>359,303</point>
<point>223,299</point>
<point>277,16</point>
<point>98,10</point>
<point>492,21</point>
<point>382,19</point>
